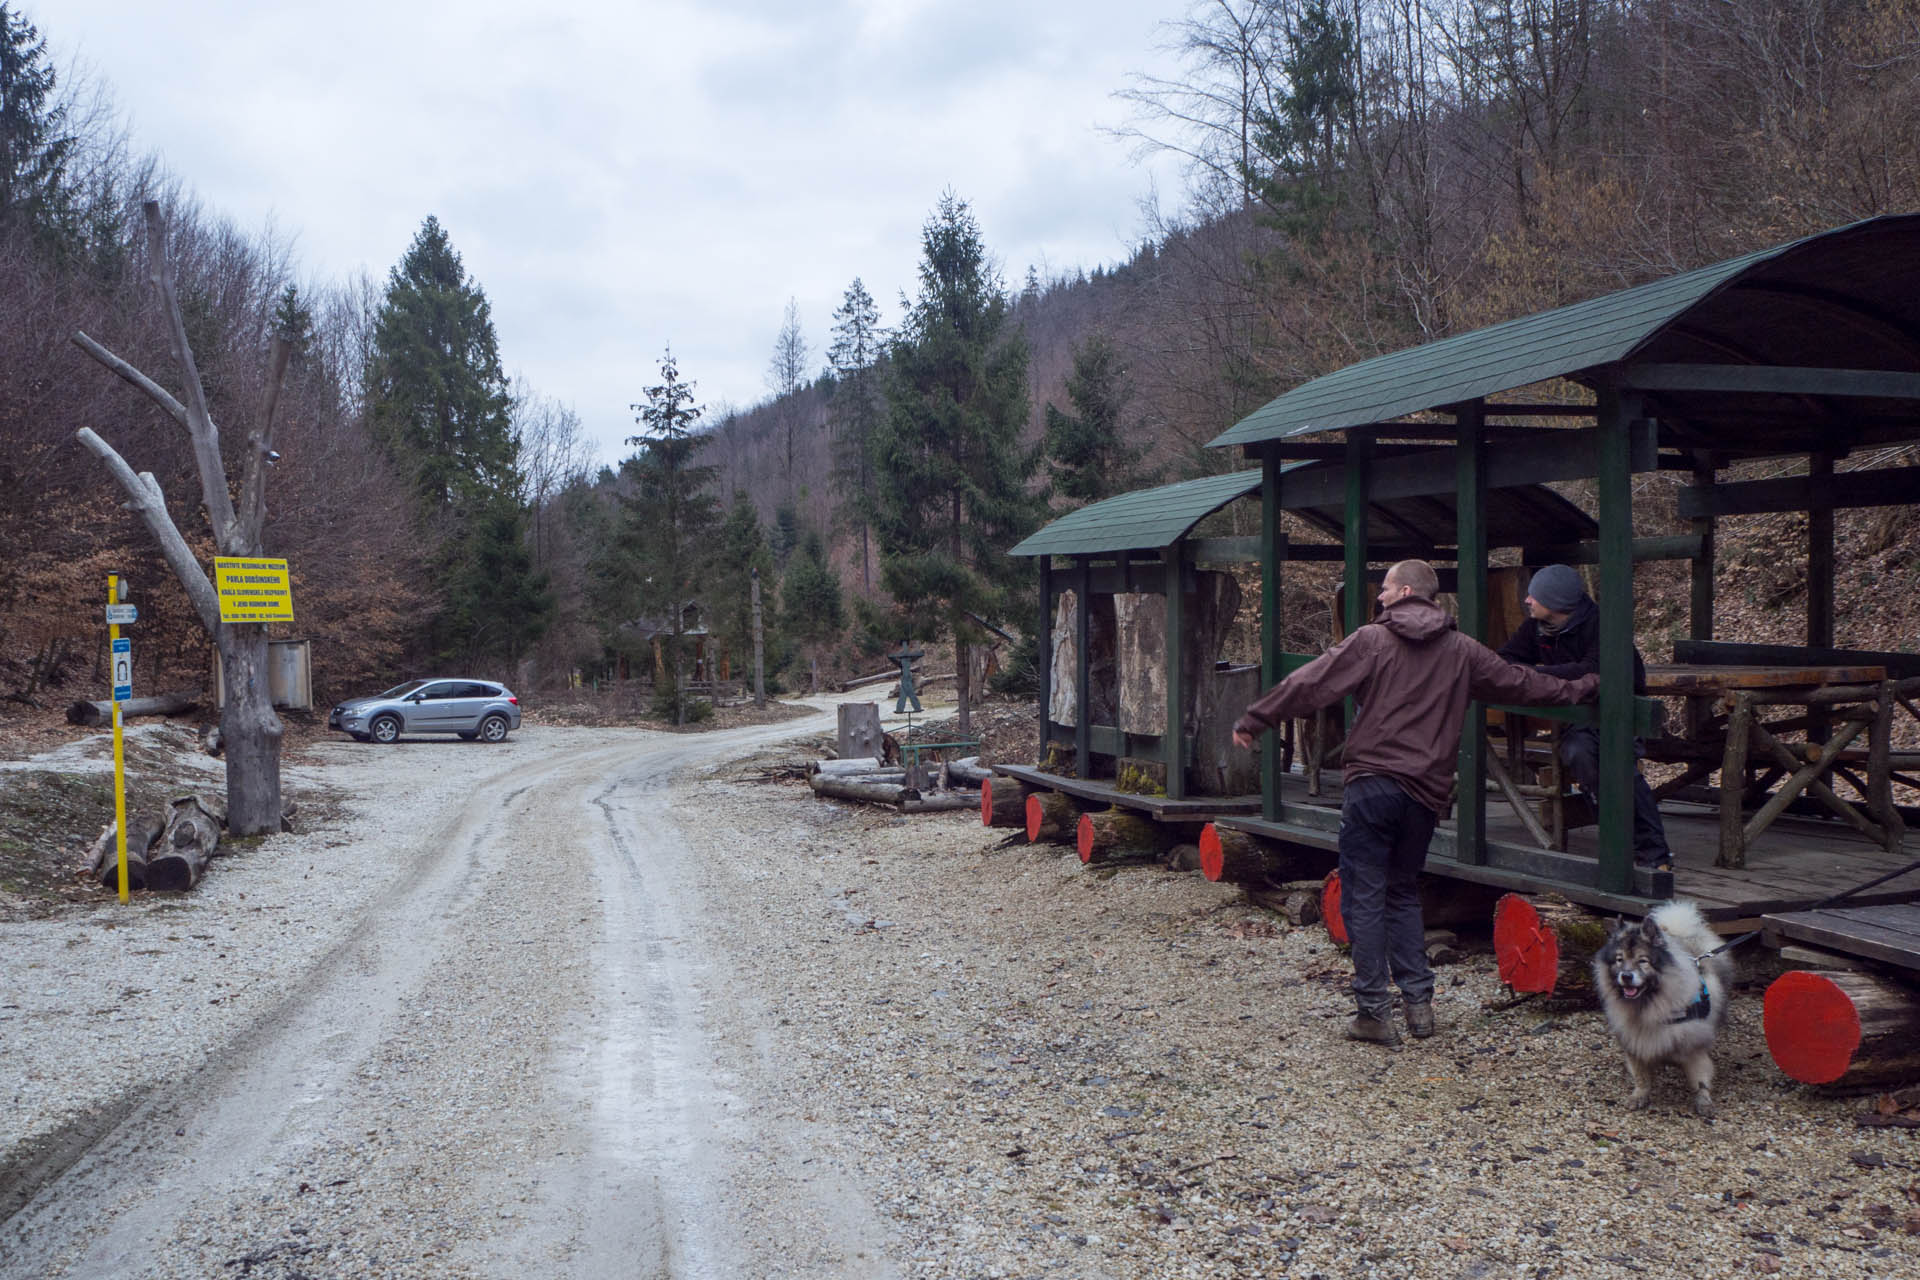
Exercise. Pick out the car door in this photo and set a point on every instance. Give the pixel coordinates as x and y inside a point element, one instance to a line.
<point>430,713</point>
<point>470,699</point>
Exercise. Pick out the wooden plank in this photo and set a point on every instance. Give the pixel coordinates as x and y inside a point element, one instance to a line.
<point>1614,483</point>
<point>1700,575</point>
<point>1879,487</point>
<point>1854,937</point>
<point>1273,555</point>
<point>1900,666</point>
<point>1554,455</point>
<point>1772,380</point>
<point>1682,546</point>
<point>1676,678</point>
<point>1173,736</point>
<point>1895,918</point>
<point>1470,480</point>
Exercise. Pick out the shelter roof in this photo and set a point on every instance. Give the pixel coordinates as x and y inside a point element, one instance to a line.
<point>1843,299</point>
<point>1146,519</point>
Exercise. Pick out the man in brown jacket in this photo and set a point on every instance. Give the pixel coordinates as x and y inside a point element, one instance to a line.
<point>1412,673</point>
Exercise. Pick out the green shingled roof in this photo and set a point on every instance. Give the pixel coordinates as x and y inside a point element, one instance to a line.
<point>1146,519</point>
<point>1516,353</point>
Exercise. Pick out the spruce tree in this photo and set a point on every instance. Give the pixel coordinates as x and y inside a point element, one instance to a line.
<point>951,473</point>
<point>35,143</point>
<point>1087,449</point>
<point>856,407</point>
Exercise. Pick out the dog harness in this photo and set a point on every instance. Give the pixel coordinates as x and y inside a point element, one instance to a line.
<point>1701,1008</point>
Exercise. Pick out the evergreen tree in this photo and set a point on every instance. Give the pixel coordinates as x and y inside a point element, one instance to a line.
<point>35,144</point>
<point>951,472</point>
<point>669,520</point>
<point>1087,449</point>
<point>436,395</point>
<point>741,548</point>
<point>810,604</point>
<point>856,408</point>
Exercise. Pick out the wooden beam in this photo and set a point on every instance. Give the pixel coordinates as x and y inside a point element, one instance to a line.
<point>1470,594</point>
<point>1356,496</point>
<point>1771,380</point>
<point>1083,670</point>
<point>1700,586</point>
<point>1173,737</point>
<point>1878,487</point>
<point>1044,657</point>
<point>1684,546</point>
<point>1614,481</point>
<point>1228,552</point>
<point>1273,555</point>
<point>1820,551</point>
<point>1551,455</point>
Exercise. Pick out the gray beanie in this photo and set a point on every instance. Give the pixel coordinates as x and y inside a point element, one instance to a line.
<point>1557,587</point>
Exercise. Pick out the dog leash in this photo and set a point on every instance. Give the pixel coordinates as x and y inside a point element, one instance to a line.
<point>1824,902</point>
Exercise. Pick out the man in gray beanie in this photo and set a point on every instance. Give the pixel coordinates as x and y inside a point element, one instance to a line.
<point>1561,637</point>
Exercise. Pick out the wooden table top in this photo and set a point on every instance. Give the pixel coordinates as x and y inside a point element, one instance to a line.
<point>1680,677</point>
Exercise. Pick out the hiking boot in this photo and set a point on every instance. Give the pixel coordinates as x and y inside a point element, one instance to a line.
<point>1420,1019</point>
<point>1374,1030</point>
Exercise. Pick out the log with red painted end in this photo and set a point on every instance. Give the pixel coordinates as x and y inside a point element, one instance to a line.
<point>1003,802</point>
<point>1546,948</point>
<point>1843,1031</point>
<point>1330,907</point>
<point>1051,817</point>
<point>1239,858</point>
<point>1116,833</point>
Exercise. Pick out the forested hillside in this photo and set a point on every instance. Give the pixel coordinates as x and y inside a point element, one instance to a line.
<point>1364,175</point>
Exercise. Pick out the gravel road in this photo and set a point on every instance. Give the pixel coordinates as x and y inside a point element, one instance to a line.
<point>595,1003</point>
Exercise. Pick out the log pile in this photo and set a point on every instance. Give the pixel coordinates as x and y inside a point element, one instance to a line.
<point>168,853</point>
<point>1003,802</point>
<point>873,780</point>
<point>1118,833</point>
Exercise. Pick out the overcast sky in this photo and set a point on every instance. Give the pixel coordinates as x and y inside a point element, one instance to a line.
<point>619,177</point>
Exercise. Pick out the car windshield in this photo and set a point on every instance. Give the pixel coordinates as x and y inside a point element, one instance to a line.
<point>402,690</point>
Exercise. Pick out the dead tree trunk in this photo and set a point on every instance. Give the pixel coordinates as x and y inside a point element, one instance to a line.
<point>248,724</point>
<point>871,792</point>
<point>103,859</point>
<point>179,858</point>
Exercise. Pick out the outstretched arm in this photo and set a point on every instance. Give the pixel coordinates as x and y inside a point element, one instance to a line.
<point>1328,678</point>
<point>1492,678</point>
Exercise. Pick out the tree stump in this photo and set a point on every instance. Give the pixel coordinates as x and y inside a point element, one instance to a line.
<point>1547,948</point>
<point>1003,802</point>
<point>860,731</point>
<point>178,860</point>
<point>1843,1031</point>
<point>1117,833</point>
<point>1238,858</point>
<point>1052,817</point>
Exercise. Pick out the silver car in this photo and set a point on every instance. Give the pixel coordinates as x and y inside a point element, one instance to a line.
<point>471,708</point>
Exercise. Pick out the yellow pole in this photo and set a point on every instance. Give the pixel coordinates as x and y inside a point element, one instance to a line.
<point>119,759</point>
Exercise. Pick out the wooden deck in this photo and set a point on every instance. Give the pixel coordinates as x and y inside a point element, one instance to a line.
<point>1193,809</point>
<point>1889,934</point>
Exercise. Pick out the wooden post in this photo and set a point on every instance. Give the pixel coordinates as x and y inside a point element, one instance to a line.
<point>1700,596</point>
<point>1819,574</point>
<point>1043,653</point>
<point>1173,742</point>
<point>1083,669</point>
<point>1359,486</point>
<point>1470,593</point>
<point>1616,413</point>
<point>1880,770</point>
<point>1733,781</point>
<point>1273,554</point>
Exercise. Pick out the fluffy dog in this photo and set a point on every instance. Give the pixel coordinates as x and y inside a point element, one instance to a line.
<point>1665,997</point>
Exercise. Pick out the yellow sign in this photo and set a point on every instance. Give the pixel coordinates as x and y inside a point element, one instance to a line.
<point>252,590</point>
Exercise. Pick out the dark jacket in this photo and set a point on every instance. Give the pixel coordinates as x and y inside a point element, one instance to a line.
<point>1413,674</point>
<point>1572,651</point>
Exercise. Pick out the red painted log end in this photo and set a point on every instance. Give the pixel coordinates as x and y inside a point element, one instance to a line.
<point>1330,907</point>
<point>1811,1026</point>
<point>1528,955</point>
<point>1083,837</point>
<point>1034,818</point>
<point>1213,859</point>
<point>986,802</point>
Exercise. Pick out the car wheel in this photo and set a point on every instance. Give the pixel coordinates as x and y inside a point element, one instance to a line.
<point>385,729</point>
<point>493,729</point>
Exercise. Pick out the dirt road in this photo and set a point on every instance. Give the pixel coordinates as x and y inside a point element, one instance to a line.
<point>502,1069</point>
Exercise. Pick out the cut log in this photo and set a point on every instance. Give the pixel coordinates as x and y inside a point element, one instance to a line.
<point>179,858</point>
<point>942,803</point>
<point>870,792</point>
<point>1118,833</point>
<point>1183,857</point>
<point>1547,948</point>
<point>859,730</point>
<point>1442,902</point>
<point>161,704</point>
<point>1003,802</point>
<point>969,770</point>
<point>1238,858</point>
<point>847,766</point>
<point>1843,1031</point>
<point>1052,817</point>
<point>1443,947</point>
<point>103,858</point>
<point>1298,901</point>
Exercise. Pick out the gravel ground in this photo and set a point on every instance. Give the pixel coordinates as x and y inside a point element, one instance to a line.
<point>724,1029</point>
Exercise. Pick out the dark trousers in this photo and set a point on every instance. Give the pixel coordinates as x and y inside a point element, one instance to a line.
<point>1580,749</point>
<point>1383,844</point>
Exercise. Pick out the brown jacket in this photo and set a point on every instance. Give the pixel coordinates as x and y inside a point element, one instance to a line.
<point>1412,673</point>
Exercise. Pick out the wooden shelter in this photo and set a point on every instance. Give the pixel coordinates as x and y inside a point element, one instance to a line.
<point>1812,350</point>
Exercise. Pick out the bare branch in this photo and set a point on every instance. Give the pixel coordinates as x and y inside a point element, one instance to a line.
<point>146,500</point>
<point>206,436</point>
<point>154,390</point>
<point>253,484</point>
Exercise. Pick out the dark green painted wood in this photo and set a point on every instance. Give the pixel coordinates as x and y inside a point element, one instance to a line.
<point>1820,550</point>
<point>1771,380</point>
<point>1882,487</point>
<point>1044,655</point>
<point>1083,671</point>
<point>1680,546</point>
<point>1145,520</point>
<point>1900,666</point>
<point>1700,574</point>
<point>1614,484</point>
<point>1176,677</point>
<point>1358,492</point>
<point>1227,552</point>
<point>1470,504</point>
<point>1273,556</point>
<point>1574,456</point>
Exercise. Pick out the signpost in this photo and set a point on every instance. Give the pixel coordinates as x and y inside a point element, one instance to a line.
<point>121,652</point>
<point>253,590</point>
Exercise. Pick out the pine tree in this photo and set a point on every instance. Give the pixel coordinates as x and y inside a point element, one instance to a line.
<point>669,520</point>
<point>858,344</point>
<point>1087,449</point>
<point>436,395</point>
<point>951,472</point>
<point>741,548</point>
<point>35,144</point>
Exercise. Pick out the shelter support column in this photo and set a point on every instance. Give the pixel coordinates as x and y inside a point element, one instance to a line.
<point>1173,744</point>
<point>1044,656</point>
<point>1083,671</point>
<point>1273,555</point>
<point>1819,573</point>
<point>1359,486</point>
<point>1617,412</point>
<point>1700,597</point>
<point>1470,594</point>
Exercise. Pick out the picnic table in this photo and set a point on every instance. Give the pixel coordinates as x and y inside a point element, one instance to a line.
<point>1726,728</point>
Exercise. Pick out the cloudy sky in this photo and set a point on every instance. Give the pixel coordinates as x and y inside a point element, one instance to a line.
<point>619,177</point>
